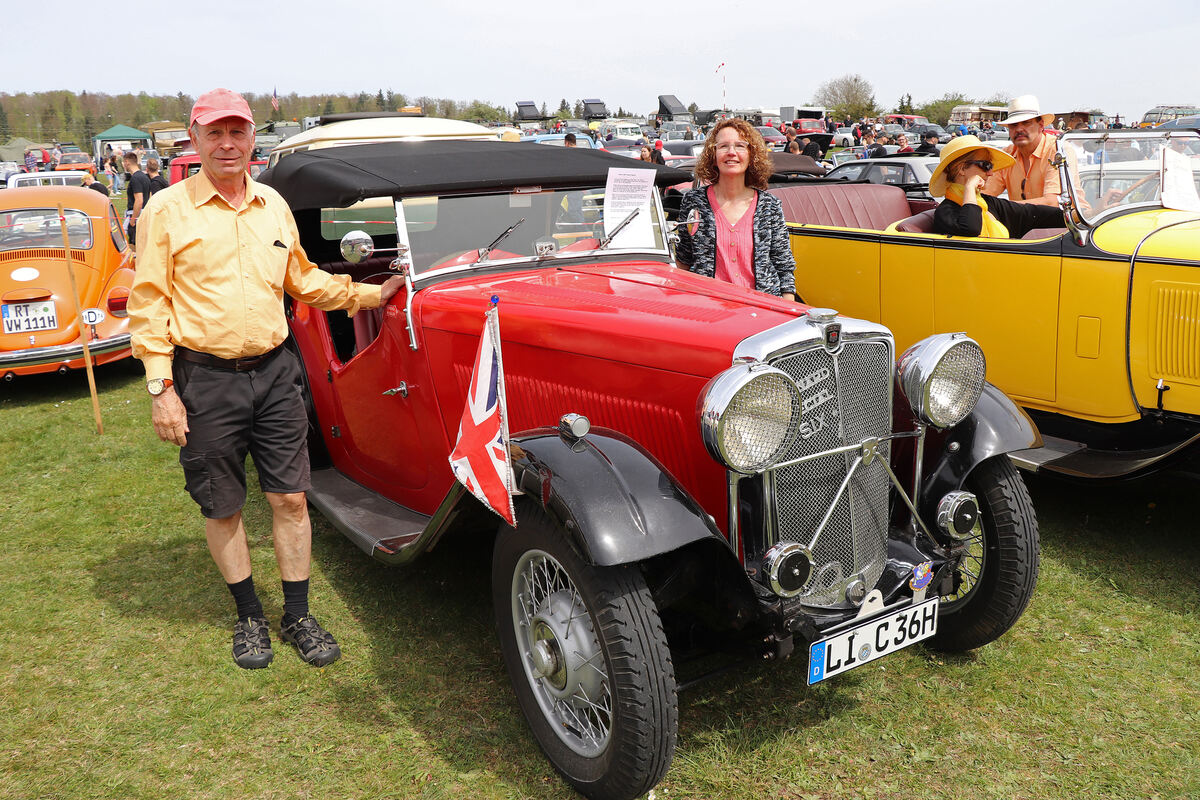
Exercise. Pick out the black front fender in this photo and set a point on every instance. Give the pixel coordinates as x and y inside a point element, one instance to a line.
<point>996,426</point>
<point>615,501</point>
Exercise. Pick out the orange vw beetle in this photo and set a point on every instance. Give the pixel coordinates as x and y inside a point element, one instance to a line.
<point>42,330</point>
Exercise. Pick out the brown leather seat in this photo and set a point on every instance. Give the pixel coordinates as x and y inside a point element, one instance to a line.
<point>850,205</point>
<point>918,223</point>
<point>1044,233</point>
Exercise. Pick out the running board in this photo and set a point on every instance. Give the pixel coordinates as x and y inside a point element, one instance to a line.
<point>1052,449</point>
<point>1076,460</point>
<point>382,529</point>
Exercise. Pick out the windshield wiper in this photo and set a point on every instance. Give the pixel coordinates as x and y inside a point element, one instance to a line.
<point>484,252</point>
<point>620,226</point>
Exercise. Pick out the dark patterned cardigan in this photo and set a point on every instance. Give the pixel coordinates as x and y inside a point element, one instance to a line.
<point>774,267</point>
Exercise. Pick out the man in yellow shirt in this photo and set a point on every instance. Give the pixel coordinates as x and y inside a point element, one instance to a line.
<point>1033,179</point>
<point>216,252</point>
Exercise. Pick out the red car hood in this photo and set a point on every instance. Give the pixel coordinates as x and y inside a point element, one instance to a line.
<point>641,312</point>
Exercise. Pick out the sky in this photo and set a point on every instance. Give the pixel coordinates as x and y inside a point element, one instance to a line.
<point>1122,57</point>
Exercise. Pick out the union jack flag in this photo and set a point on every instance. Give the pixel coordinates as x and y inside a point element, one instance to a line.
<point>480,459</point>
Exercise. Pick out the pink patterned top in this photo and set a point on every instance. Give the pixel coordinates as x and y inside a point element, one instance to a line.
<point>735,245</point>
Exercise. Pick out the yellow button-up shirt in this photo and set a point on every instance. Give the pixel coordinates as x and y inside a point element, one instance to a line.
<point>211,277</point>
<point>1039,185</point>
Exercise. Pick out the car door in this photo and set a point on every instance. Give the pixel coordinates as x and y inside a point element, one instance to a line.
<point>1005,295</point>
<point>379,387</point>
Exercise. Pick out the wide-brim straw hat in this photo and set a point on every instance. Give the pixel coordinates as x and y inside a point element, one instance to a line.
<point>1025,107</point>
<point>958,147</point>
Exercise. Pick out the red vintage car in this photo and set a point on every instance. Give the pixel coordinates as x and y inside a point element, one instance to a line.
<point>692,462</point>
<point>42,331</point>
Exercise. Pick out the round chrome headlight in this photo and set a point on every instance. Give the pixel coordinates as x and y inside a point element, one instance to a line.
<point>749,415</point>
<point>942,377</point>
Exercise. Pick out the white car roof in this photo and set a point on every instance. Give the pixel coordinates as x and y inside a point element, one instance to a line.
<point>381,129</point>
<point>63,176</point>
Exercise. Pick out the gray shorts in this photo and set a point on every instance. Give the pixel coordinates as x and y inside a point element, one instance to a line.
<point>230,414</point>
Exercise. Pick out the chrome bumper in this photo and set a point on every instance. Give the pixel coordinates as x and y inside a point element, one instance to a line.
<point>36,356</point>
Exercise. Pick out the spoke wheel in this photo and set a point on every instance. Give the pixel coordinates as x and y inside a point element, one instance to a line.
<point>999,568</point>
<point>588,660</point>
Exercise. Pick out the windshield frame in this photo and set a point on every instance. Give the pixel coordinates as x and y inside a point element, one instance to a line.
<point>1070,144</point>
<point>425,274</point>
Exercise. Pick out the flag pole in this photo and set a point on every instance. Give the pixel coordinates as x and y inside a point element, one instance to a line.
<point>87,353</point>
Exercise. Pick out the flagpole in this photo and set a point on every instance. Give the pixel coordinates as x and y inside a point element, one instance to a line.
<point>724,101</point>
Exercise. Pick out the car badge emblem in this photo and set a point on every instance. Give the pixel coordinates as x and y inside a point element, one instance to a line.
<point>831,329</point>
<point>922,575</point>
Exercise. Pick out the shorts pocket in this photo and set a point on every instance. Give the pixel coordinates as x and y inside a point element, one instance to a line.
<point>197,479</point>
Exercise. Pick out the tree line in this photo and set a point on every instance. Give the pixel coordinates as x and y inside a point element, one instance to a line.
<point>68,116</point>
<point>853,97</point>
<point>77,117</point>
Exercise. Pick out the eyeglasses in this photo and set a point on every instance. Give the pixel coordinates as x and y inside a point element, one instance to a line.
<point>726,147</point>
<point>986,166</point>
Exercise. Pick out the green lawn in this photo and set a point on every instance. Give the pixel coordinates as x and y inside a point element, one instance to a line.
<point>116,680</point>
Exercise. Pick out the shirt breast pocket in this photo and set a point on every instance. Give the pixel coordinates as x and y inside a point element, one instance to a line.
<point>272,252</point>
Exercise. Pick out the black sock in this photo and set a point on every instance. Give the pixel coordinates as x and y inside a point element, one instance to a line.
<point>295,600</point>
<point>248,604</point>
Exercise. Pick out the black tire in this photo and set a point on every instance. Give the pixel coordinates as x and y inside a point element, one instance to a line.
<point>621,746</point>
<point>1001,569</point>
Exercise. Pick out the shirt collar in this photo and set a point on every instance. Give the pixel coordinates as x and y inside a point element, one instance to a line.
<point>203,191</point>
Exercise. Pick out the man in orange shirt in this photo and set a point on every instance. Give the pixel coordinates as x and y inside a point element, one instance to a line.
<point>1033,179</point>
<point>216,253</point>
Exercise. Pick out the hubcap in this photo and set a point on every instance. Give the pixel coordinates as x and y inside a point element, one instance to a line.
<point>562,658</point>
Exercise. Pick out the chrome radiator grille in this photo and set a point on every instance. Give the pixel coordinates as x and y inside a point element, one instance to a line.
<point>847,399</point>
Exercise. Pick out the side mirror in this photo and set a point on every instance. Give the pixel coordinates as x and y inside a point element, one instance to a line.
<point>357,246</point>
<point>691,223</point>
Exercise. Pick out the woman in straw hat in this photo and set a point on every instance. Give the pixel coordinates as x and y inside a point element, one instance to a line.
<point>960,175</point>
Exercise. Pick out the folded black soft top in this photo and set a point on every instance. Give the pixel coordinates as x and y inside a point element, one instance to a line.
<point>335,177</point>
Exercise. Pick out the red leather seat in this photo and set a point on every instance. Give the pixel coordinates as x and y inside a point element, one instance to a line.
<point>851,205</point>
<point>918,223</point>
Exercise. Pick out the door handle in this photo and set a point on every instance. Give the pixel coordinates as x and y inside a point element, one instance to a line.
<point>401,390</point>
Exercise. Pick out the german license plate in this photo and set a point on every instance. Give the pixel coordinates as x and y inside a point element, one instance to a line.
<point>873,639</point>
<point>29,317</point>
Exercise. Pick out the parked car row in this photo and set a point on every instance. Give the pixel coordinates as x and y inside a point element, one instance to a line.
<point>696,467</point>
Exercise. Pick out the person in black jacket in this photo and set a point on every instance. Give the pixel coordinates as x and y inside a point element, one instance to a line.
<point>930,143</point>
<point>960,175</point>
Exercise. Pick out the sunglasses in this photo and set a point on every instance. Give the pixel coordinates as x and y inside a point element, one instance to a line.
<point>986,166</point>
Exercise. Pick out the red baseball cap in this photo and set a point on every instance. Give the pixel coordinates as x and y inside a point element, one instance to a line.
<point>219,104</point>
<point>658,144</point>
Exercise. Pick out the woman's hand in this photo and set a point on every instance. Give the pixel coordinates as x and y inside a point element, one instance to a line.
<point>972,186</point>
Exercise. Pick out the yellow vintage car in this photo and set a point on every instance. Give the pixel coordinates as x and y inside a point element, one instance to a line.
<point>1094,328</point>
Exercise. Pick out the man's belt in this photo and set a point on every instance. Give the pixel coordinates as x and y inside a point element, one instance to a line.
<point>233,364</point>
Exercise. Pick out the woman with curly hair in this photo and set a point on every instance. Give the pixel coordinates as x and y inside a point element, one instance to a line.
<point>741,237</point>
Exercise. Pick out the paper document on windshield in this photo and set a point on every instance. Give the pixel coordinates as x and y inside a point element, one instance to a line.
<point>1179,185</point>
<point>626,190</point>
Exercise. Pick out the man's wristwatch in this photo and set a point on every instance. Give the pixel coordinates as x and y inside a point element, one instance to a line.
<point>156,386</point>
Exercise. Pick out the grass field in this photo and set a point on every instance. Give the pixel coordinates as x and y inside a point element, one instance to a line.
<point>116,679</point>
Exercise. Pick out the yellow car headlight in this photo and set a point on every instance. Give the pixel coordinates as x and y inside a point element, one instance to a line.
<point>942,377</point>
<point>749,416</point>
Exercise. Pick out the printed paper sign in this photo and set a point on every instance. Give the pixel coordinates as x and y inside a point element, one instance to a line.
<point>626,190</point>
